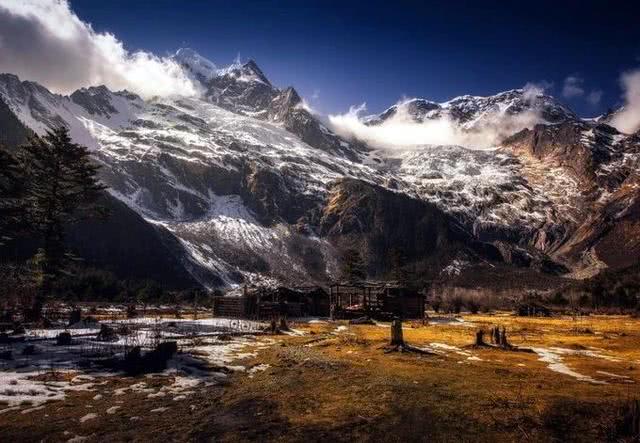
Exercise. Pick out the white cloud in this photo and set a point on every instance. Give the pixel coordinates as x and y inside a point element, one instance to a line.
<point>401,131</point>
<point>534,89</point>
<point>594,97</point>
<point>628,119</point>
<point>573,87</point>
<point>306,106</point>
<point>45,41</point>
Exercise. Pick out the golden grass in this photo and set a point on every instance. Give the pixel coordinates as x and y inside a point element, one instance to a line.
<point>342,386</point>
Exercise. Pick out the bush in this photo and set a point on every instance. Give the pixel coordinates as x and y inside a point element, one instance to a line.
<point>63,339</point>
<point>473,305</point>
<point>436,303</point>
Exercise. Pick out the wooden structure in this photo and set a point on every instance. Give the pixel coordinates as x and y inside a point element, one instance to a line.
<point>533,309</point>
<point>382,300</point>
<point>266,303</point>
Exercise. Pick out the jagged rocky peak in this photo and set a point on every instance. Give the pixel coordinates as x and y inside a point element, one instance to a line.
<point>290,96</point>
<point>417,109</point>
<point>204,70</point>
<point>470,110</point>
<point>247,72</point>
<point>96,100</point>
<point>251,72</point>
<point>33,104</point>
<point>283,104</point>
<point>12,88</point>
<point>99,100</point>
<point>9,79</point>
<point>511,102</point>
<point>242,88</point>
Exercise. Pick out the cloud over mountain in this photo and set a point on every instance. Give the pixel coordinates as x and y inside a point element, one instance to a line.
<point>484,130</point>
<point>45,41</point>
<point>573,87</point>
<point>628,119</point>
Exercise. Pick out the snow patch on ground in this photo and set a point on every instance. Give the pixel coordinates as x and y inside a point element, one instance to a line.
<point>90,416</point>
<point>553,358</point>
<point>198,340</point>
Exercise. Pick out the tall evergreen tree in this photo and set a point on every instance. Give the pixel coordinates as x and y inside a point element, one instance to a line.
<point>60,188</point>
<point>353,266</point>
<point>11,204</point>
<point>398,262</point>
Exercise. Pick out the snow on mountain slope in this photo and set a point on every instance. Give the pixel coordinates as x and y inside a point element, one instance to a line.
<point>237,174</point>
<point>492,192</point>
<point>472,112</point>
<point>199,134</point>
<point>39,109</point>
<point>227,185</point>
<point>183,162</point>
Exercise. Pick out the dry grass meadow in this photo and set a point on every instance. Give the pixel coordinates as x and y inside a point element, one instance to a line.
<point>331,381</point>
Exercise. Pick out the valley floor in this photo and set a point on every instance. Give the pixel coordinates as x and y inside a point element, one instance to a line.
<point>331,381</point>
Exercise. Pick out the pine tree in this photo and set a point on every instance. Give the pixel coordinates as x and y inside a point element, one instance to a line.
<point>399,268</point>
<point>60,188</point>
<point>11,204</point>
<point>353,265</point>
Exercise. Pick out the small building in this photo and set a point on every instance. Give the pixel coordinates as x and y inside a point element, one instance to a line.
<point>532,309</point>
<point>267,303</point>
<point>381,300</point>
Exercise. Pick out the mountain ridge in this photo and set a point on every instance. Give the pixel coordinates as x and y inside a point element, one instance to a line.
<point>242,176</point>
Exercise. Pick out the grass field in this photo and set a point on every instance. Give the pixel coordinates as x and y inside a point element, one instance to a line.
<point>334,381</point>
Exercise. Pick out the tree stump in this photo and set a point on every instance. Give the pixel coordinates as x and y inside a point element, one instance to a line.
<point>503,338</point>
<point>398,344</point>
<point>396,333</point>
<point>496,335</point>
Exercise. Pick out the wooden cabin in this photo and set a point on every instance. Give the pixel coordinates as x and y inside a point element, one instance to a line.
<point>382,300</point>
<point>533,309</point>
<point>266,303</point>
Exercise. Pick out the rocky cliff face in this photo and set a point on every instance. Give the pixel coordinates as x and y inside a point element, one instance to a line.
<point>380,222</point>
<point>13,132</point>
<point>603,164</point>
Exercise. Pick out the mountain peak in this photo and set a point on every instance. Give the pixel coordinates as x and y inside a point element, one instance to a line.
<point>468,108</point>
<point>251,71</point>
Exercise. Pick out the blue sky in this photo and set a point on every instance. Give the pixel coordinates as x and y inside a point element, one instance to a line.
<point>346,53</point>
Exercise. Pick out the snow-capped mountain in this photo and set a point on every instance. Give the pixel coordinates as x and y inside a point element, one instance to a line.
<point>255,188</point>
<point>243,88</point>
<point>474,111</point>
